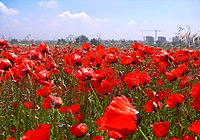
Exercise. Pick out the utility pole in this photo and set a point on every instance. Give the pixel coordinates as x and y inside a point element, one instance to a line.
<point>156,33</point>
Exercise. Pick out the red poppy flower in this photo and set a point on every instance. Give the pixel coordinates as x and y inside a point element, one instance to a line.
<point>160,81</point>
<point>5,64</point>
<point>52,100</point>
<point>196,104</point>
<point>137,46</point>
<point>195,92</point>
<point>75,108</point>
<point>68,70</point>
<point>128,59</point>
<point>43,48</point>
<point>57,101</point>
<point>33,44</point>
<point>113,50</point>
<point>161,56</point>
<point>42,132</point>
<point>79,130</point>
<point>144,79</point>
<point>134,79</point>
<point>64,109</point>
<point>47,104</point>
<point>174,100</point>
<point>101,50</point>
<point>185,82</point>
<point>115,135</point>
<point>99,75</point>
<point>10,139</point>
<point>98,61</point>
<point>161,70</point>
<point>33,55</point>
<point>84,74</point>
<point>45,91</point>
<point>195,127</point>
<point>131,79</point>
<point>44,83</point>
<point>170,76</point>
<point>10,56</point>
<point>17,104</point>
<point>153,105</point>
<point>161,129</point>
<point>98,138</point>
<point>162,95</point>
<point>86,46</point>
<point>3,42</point>
<point>51,63</point>
<point>175,138</point>
<point>24,66</point>
<point>12,131</point>
<point>120,116</point>
<point>74,59</point>
<point>189,137</point>
<point>55,71</point>
<point>44,75</point>
<point>79,117</point>
<point>29,105</point>
<point>89,58</point>
<point>110,72</point>
<point>150,93</point>
<point>111,58</point>
<point>103,87</point>
<point>181,70</point>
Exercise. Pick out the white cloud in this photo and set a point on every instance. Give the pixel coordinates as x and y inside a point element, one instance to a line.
<point>68,15</point>
<point>132,22</point>
<point>82,16</point>
<point>6,10</point>
<point>50,4</point>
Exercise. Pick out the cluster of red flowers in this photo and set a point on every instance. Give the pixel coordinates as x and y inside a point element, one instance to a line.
<point>41,133</point>
<point>165,80</point>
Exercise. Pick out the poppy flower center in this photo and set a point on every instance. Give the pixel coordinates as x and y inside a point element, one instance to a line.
<point>139,118</point>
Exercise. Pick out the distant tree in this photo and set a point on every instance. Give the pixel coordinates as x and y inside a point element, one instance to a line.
<point>14,41</point>
<point>123,41</point>
<point>94,41</point>
<point>61,41</point>
<point>130,41</point>
<point>82,39</point>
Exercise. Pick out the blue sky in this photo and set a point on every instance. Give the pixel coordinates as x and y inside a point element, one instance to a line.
<point>108,19</point>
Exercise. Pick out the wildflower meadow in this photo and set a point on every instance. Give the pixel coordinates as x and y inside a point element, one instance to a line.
<point>52,92</point>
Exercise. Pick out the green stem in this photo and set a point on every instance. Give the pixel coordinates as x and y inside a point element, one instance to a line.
<point>97,99</point>
<point>158,115</point>
<point>145,137</point>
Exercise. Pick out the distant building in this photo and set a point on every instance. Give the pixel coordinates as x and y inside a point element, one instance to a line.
<point>162,39</point>
<point>175,40</point>
<point>149,40</point>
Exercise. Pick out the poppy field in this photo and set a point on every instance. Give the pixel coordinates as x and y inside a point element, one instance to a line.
<point>99,92</point>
